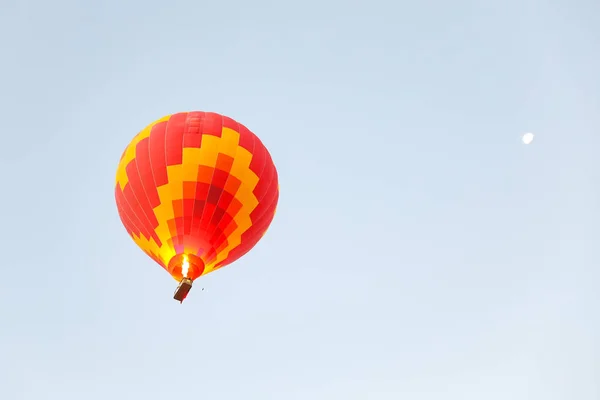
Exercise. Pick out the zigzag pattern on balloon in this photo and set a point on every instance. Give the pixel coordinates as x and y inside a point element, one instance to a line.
<point>197,184</point>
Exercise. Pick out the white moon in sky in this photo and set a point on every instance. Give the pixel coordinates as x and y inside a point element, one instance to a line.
<point>528,138</point>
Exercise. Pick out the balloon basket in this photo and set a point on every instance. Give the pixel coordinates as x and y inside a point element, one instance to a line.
<point>183,289</point>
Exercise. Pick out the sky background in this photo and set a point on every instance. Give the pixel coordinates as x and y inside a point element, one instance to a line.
<point>420,250</point>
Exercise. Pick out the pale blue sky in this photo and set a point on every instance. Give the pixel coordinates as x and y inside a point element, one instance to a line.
<point>420,250</point>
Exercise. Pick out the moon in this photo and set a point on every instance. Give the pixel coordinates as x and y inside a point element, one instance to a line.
<point>528,138</point>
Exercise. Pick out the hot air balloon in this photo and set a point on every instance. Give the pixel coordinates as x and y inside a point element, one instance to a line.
<point>196,191</point>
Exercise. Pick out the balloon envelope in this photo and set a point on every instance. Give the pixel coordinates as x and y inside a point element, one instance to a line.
<point>196,191</point>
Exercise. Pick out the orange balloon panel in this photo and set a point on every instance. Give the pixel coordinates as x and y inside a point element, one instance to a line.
<point>196,191</point>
